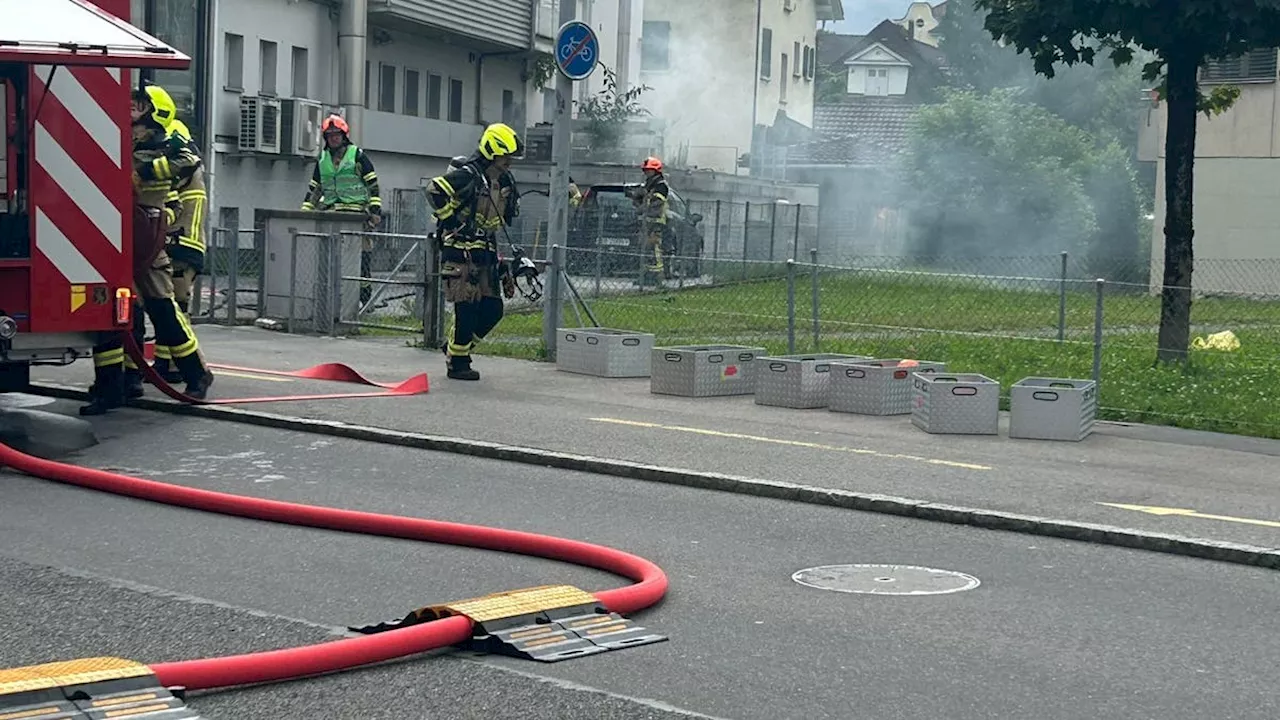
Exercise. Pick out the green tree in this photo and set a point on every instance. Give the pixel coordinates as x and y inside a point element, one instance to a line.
<point>606,113</point>
<point>1182,34</point>
<point>988,175</point>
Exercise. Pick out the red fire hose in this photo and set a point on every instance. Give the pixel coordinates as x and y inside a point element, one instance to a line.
<point>291,663</point>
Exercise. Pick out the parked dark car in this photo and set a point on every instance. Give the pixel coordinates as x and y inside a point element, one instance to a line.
<point>606,219</point>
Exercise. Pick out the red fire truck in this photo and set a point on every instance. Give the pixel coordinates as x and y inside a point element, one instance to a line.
<point>67,69</point>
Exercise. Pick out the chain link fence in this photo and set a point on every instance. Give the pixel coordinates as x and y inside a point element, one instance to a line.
<point>770,275</point>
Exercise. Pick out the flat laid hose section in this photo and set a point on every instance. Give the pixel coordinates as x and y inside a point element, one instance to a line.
<point>276,665</point>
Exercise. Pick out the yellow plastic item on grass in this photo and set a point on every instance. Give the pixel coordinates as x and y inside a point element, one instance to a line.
<point>1225,340</point>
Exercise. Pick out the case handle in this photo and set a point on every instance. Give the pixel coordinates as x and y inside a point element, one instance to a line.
<point>778,367</point>
<point>630,341</point>
<point>1048,395</point>
<point>746,357</point>
<point>717,358</point>
<point>593,340</point>
<point>855,372</point>
<point>672,357</point>
<point>964,390</point>
<point>822,368</point>
<point>570,337</point>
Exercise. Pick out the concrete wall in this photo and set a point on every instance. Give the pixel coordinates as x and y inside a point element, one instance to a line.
<point>1237,197</point>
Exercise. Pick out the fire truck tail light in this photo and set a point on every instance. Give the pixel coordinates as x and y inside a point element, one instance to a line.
<point>124,307</point>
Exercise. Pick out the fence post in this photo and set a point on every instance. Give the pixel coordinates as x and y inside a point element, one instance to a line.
<point>773,230</point>
<point>795,235</point>
<point>293,278</point>
<point>813,276</point>
<point>746,234</point>
<point>1062,299</point>
<point>552,305</point>
<point>599,251</point>
<point>1097,332</point>
<point>715,242</point>
<point>791,306</point>
<point>260,255</point>
<point>233,283</point>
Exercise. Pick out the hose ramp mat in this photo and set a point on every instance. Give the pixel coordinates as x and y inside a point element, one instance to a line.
<point>101,688</point>
<point>548,623</point>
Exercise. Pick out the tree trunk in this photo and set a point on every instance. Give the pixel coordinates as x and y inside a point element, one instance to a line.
<point>1179,152</point>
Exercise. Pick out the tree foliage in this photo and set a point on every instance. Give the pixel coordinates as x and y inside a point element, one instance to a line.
<point>607,112</point>
<point>989,174</point>
<point>1181,35</point>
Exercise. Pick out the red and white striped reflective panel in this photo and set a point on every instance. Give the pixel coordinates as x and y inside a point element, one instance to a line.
<point>80,193</point>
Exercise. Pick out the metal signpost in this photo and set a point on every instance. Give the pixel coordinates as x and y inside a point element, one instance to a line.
<point>577,51</point>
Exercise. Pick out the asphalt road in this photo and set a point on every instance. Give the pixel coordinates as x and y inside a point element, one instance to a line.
<point>1056,630</point>
<point>535,405</point>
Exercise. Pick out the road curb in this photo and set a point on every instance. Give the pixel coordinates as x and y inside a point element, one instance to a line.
<point>1219,550</point>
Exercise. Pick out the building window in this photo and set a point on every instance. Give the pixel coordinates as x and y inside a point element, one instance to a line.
<point>1257,65</point>
<point>412,92</point>
<point>228,219</point>
<point>796,59</point>
<point>299,72</point>
<point>782,76</point>
<point>508,107</point>
<point>267,60</point>
<point>234,49</point>
<point>386,87</point>
<point>766,54</point>
<point>810,62</point>
<point>455,100</point>
<point>434,89</point>
<point>654,40</point>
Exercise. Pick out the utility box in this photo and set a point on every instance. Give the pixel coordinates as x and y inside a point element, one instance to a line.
<point>962,404</point>
<point>1052,409</point>
<point>704,370</point>
<point>604,352</point>
<point>797,381</point>
<point>305,261</point>
<point>876,387</point>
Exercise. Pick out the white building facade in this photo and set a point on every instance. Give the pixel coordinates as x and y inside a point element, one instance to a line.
<point>721,72</point>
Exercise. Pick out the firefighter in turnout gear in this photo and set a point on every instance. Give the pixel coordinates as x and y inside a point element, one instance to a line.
<point>472,202</point>
<point>184,214</point>
<point>345,181</point>
<point>115,376</point>
<point>653,212</point>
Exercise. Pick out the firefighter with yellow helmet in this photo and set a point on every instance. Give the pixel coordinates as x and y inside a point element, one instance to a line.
<point>185,213</point>
<point>471,204</point>
<point>115,376</point>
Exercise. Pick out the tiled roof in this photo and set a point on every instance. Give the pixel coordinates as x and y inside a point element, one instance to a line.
<point>868,131</point>
<point>832,48</point>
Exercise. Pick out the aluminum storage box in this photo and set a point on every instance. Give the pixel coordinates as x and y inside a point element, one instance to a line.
<point>797,381</point>
<point>604,352</point>
<point>955,404</point>
<point>876,387</point>
<point>704,370</point>
<point>1052,409</point>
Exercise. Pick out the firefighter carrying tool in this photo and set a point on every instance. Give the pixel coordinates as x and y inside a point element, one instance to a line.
<point>652,208</point>
<point>115,377</point>
<point>345,180</point>
<point>472,202</point>
<point>184,213</point>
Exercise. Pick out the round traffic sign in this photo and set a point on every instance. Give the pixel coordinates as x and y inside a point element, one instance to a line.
<point>577,50</point>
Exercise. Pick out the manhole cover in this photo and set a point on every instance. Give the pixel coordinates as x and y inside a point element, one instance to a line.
<point>885,579</point>
<point>16,401</point>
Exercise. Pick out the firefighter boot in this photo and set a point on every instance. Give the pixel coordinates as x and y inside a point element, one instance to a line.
<point>107,391</point>
<point>460,368</point>
<point>132,384</point>
<point>197,375</point>
<point>167,372</point>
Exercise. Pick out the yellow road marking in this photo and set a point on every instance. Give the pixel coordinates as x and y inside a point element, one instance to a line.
<point>792,443</point>
<point>1153,510</point>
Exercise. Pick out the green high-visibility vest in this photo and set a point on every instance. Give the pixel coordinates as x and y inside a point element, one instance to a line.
<point>343,186</point>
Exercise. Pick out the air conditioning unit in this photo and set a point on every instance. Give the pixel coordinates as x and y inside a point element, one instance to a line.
<point>300,127</point>
<point>259,124</point>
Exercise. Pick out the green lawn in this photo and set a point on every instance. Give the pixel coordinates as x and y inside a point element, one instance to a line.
<point>961,322</point>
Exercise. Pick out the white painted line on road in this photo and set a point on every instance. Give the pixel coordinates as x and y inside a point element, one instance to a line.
<point>792,443</point>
